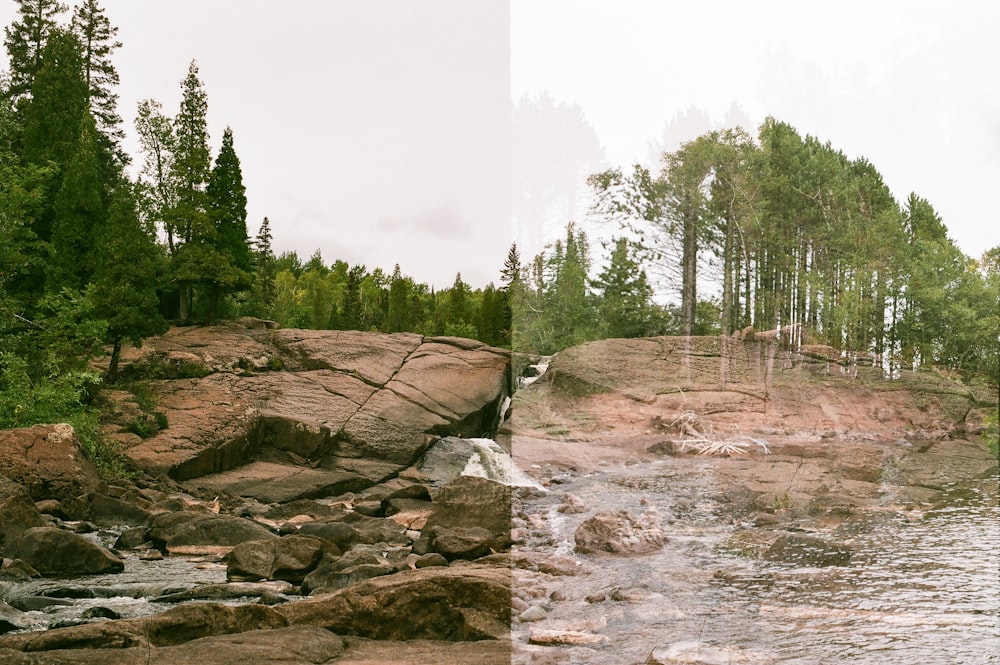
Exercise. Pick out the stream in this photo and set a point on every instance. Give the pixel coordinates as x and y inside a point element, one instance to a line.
<point>922,586</point>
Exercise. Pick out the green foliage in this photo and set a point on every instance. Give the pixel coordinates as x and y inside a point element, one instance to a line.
<point>991,432</point>
<point>25,40</point>
<point>29,396</point>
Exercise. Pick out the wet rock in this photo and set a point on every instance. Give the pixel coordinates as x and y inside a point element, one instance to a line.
<point>104,510</point>
<point>18,511</point>
<point>454,603</point>
<point>469,502</point>
<point>572,505</point>
<point>290,558</point>
<point>175,626</point>
<point>452,544</point>
<point>100,613</point>
<point>195,533</point>
<point>533,613</point>
<point>11,619</point>
<point>566,638</point>
<point>691,652</point>
<point>47,461</point>
<point>429,560</point>
<point>227,591</point>
<point>53,551</point>
<point>363,561</point>
<point>131,538</point>
<point>620,533</point>
<point>808,551</point>
<point>288,646</point>
<point>151,555</point>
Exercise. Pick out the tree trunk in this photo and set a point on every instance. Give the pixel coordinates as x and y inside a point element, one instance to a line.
<point>689,267</point>
<point>112,374</point>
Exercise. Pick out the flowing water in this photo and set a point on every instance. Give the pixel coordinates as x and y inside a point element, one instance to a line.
<point>922,587</point>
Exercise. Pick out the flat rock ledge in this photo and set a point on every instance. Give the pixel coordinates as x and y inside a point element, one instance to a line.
<point>285,414</point>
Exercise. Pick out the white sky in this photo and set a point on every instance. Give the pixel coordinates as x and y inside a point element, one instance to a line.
<point>378,130</point>
<point>909,84</point>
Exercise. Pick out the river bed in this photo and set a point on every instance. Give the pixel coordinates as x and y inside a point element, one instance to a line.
<point>923,585</point>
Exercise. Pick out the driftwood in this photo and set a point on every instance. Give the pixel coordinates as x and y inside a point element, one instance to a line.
<point>708,443</point>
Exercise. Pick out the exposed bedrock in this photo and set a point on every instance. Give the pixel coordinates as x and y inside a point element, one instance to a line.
<point>287,414</point>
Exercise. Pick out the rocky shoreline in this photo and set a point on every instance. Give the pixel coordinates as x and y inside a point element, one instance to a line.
<point>307,500</point>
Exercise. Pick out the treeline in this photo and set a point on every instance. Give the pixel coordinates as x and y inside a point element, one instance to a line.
<point>339,296</point>
<point>737,232</point>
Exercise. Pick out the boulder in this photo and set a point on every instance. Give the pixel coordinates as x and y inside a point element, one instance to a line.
<point>18,511</point>
<point>470,502</point>
<point>808,551</point>
<point>11,619</point>
<point>620,533</point>
<point>290,558</point>
<point>53,551</point>
<point>104,510</point>
<point>363,561</point>
<point>195,533</point>
<point>175,626</point>
<point>469,543</point>
<point>47,461</point>
<point>455,603</point>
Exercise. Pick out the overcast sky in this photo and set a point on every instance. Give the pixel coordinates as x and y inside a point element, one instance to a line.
<point>378,131</point>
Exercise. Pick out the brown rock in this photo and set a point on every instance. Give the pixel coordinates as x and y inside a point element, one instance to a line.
<point>53,551</point>
<point>342,400</point>
<point>175,626</point>
<point>47,461</point>
<point>194,532</point>
<point>454,603</point>
<point>619,533</point>
<point>290,558</point>
<point>17,510</point>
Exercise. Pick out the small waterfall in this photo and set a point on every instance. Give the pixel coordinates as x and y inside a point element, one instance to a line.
<point>491,461</point>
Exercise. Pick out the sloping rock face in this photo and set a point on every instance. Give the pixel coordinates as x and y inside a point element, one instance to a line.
<point>452,604</point>
<point>47,461</point>
<point>308,413</point>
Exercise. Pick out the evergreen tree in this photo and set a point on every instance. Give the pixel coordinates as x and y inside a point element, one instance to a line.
<point>195,259</point>
<point>397,317</point>
<point>58,99</point>
<point>351,314</point>
<point>25,40</point>
<point>625,303</point>
<point>97,37</point>
<point>264,270</point>
<point>228,209</point>
<point>79,215</point>
<point>512,270</point>
<point>127,271</point>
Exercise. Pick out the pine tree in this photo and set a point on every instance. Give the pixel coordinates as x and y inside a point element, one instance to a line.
<point>397,315</point>
<point>264,270</point>
<point>58,99</point>
<point>127,270</point>
<point>25,40</point>
<point>351,313</point>
<point>227,202</point>
<point>194,258</point>
<point>97,37</point>
<point>625,304</point>
<point>512,269</point>
<point>79,214</point>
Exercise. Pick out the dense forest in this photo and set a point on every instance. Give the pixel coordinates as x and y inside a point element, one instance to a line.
<point>99,248</point>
